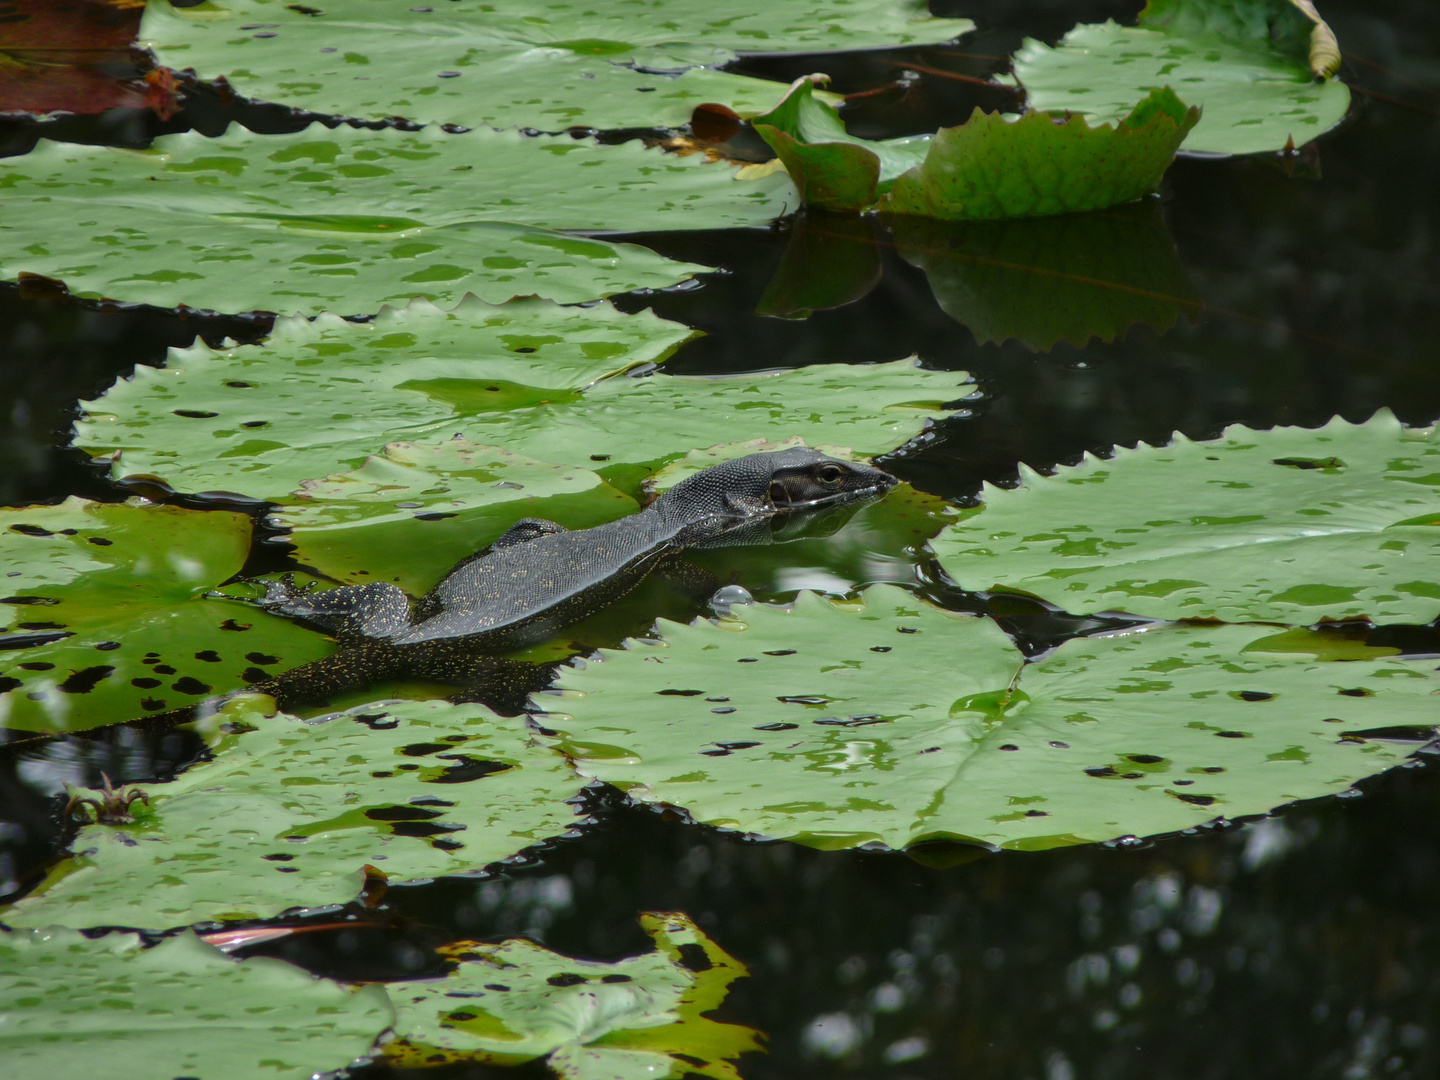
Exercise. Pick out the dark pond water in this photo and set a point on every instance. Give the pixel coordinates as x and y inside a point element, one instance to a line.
<point>1304,945</point>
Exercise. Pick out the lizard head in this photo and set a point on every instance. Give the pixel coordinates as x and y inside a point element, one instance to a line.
<point>802,478</point>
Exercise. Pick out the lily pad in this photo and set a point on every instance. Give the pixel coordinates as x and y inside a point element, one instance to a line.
<point>830,260</point>
<point>1248,66</point>
<point>1292,525</point>
<point>250,422</point>
<point>897,723</point>
<point>991,167</point>
<point>505,377</point>
<point>289,814</point>
<point>411,513</point>
<point>107,619</point>
<point>638,1017</point>
<point>72,1006</point>
<point>510,64</point>
<point>1043,281</point>
<point>349,219</point>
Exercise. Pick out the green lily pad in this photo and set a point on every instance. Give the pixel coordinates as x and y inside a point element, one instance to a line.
<point>107,618</point>
<point>870,408</point>
<point>833,169</point>
<point>1292,525</point>
<point>250,422</point>
<point>72,1006</point>
<point>350,219</point>
<point>411,513</point>
<point>896,723</point>
<point>1248,66</point>
<point>510,64</point>
<point>1068,278</point>
<point>637,1017</point>
<point>991,167</point>
<point>288,814</point>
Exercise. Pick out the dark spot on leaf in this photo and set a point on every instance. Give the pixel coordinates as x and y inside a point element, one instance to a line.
<point>803,699</point>
<point>1182,783</point>
<point>189,685</point>
<point>446,845</point>
<point>717,699</point>
<point>210,656</point>
<point>1009,746</point>
<point>1253,695</point>
<point>164,669</point>
<point>100,541</point>
<point>460,1017</point>
<point>1037,813</point>
<point>8,683</point>
<point>151,704</point>
<point>262,658</point>
<point>879,648</point>
<point>86,679</point>
<point>724,710</point>
<point>455,738</point>
<point>716,753</point>
<point>1310,463</point>
<point>377,721</point>
<point>565,978</point>
<point>679,693</point>
<point>423,828</point>
<point>736,745</point>
<point>231,624</point>
<point>779,652</point>
<point>906,630</point>
<point>616,977</point>
<point>145,684</point>
<point>41,626</point>
<point>1132,776</point>
<point>430,800</point>
<point>253,675</point>
<point>691,1059</point>
<point>1059,745</point>
<point>523,349</point>
<point>38,665</point>
<point>1196,800</point>
<point>279,857</point>
<point>853,721</point>
<point>777,727</point>
<point>255,423</point>
<point>693,957</point>
<point>1101,770</point>
<point>748,660</point>
<point>465,769</point>
<point>1144,759</point>
<point>236,384</point>
<point>497,987</point>
<point>1232,734</point>
<point>108,646</point>
<point>30,530</point>
<point>1332,720</point>
<point>195,414</point>
<point>1213,769</point>
<point>382,774</point>
<point>421,749</point>
<point>1358,692</point>
<point>401,813</point>
<point>599,457</point>
<point>30,601</point>
<point>434,516</point>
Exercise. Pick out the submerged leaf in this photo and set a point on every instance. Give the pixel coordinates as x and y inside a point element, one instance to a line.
<point>991,167</point>
<point>319,397</point>
<point>289,813</point>
<point>413,512</point>
<point>517,1001</point>
<point>1291,525</point>
<point>349,219</point>
<point>1247,65</point>
<point>897,723</point>
<point>106,618</point>
<point>71,1006</point>
<point>1044,281</point>
<point>830,260</point>
<point>511,64</point>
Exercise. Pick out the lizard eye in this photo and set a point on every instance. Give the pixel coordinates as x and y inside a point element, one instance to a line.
<point>831,474</point>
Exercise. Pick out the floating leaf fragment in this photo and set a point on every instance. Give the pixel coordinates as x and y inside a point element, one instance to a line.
<point>638,1017</point>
